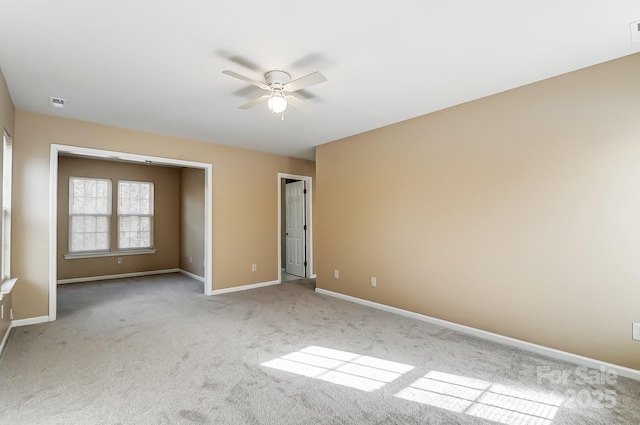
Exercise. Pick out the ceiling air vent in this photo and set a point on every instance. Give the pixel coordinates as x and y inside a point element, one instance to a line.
<point>56,102</point>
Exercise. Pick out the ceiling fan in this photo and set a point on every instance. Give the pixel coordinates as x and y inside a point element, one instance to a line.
<point>280,87</point>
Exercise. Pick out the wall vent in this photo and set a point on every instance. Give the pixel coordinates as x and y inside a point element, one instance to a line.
<point>56,102</point>
<point>635,31</point>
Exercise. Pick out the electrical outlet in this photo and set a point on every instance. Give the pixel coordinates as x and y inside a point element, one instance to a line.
<point>374,281</point>
<point>254,267</point>
<point>190,259</point>
<point>119,260</point>
<point>336,274</point>
<point>636,331</point>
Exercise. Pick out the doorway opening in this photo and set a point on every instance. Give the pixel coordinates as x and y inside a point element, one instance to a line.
<point>62,150</point>
<point>295,230</point>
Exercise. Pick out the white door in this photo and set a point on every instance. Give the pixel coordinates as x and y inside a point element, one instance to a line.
<point>295,228</point>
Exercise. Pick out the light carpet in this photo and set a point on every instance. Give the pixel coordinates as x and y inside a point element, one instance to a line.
<point>155,350</point>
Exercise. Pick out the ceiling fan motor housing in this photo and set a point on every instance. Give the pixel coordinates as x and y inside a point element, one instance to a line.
<point>276,79</point>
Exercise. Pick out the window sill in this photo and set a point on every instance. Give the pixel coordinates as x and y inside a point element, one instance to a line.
<point>7,286</point>
<point>109,254</point>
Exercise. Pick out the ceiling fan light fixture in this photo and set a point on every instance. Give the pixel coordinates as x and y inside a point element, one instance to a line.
<point>277,103</point>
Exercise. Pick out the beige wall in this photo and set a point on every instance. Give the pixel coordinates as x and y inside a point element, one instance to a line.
<point>518,214</point>
<point>192,221</point>
<point>166,219</point>
<point>244,200</point>
<point>7,116</point>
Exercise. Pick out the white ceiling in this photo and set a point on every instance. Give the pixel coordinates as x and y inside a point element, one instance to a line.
<point>156,65</point>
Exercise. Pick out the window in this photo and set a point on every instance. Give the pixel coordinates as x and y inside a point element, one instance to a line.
<point>7,161</point>
<point>135,215</point>
<point>89,214</point>
<point>91,219</point>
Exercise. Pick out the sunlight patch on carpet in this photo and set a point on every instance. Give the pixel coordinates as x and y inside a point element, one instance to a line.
<point>340,367</point>
<point>495,402</point>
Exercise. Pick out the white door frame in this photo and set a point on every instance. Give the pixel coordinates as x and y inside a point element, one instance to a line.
<point>308,219</point>
<point>56,149</point>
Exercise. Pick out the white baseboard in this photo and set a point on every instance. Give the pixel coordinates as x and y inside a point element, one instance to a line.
<point>243,287</point>
<point>5,338</point>
<point>192,276</point>
<point>524,345</point>
<point>30,321</point>
<point>115,276</point>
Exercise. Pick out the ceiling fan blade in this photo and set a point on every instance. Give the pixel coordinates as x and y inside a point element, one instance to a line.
<point>254,102</point>
<point>306,81</point>
<point>308,60</point>
<point>294,101</point>
<point>240,60</point>
<point>246,79</point>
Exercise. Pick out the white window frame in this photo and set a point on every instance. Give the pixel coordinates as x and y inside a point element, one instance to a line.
<point>107,215</point>
<point>150,215</point>
<point>7,167</point>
